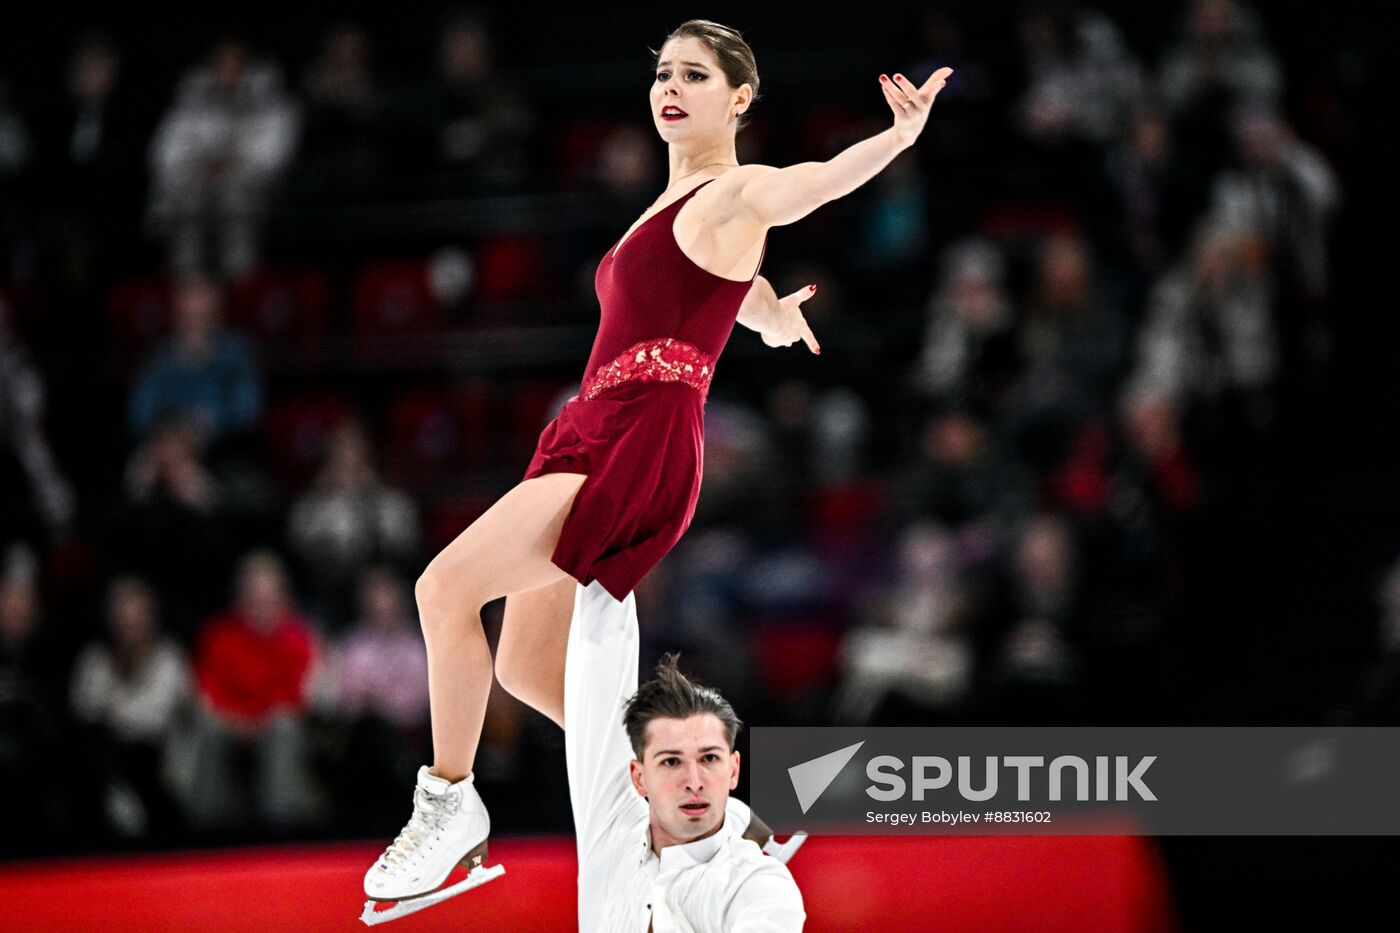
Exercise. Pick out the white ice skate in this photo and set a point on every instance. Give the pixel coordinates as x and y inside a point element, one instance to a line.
<point>741,816</point>
<point>448,828</point>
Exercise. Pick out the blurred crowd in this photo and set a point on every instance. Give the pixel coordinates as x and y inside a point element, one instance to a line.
<point>1068,337</point>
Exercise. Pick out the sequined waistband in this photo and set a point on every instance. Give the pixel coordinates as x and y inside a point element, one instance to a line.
<point>662,360</point>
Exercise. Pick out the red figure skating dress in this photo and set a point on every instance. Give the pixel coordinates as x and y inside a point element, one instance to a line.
<point>636,428</point>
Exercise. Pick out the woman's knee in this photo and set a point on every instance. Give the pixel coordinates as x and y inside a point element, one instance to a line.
<point>443,602</point>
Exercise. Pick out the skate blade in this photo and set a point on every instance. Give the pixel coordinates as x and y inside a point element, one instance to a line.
<point>784,851</point>
<point>475,879</point>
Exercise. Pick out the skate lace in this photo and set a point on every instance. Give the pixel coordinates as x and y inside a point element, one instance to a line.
<point>430,814</point>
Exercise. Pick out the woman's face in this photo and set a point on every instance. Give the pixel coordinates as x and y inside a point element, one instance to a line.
<point>688,77</point>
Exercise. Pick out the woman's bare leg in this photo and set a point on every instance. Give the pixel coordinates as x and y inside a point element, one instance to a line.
<point>506,550</point>
<point>534,641</point>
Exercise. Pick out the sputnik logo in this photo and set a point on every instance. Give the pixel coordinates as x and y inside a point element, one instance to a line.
<point>811,778</point>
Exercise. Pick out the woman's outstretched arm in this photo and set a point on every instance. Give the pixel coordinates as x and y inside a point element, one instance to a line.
<point>778,196</point>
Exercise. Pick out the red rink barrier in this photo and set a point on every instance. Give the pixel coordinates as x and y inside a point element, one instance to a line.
<point>892,884</point>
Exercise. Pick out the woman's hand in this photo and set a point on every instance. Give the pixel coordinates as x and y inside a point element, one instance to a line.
<point>787,325</point>
<point>911,104</point>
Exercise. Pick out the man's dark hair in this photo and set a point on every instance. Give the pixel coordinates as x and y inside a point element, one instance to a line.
<point>672,695</point>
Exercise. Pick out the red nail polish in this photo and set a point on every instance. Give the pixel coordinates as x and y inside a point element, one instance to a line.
<point>883,78</point>
<point>819,351</point>
<point>899,77</point>
<point>813,286</point>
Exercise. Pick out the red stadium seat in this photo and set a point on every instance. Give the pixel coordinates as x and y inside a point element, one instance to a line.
<point>425,436</point>
<point>1014,221</point>
<point>282,304</point>
<point>395,297</point>
<point>845,510</point>
<point>795,657</point>
<point>138,313</point>
<point>510,268</point>
<point>474,402</point>
<point>577,147</point>
<point>297,429</point>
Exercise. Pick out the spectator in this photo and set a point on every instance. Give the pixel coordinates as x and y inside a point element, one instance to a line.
<point>182,521</point>
<point>962,480</point>
<point>40,808</point>
<point>893,229</point>
<point>131,688</point>
<point>969,350</point>
<point>738,453</point>
<point>16,145</point>
<point>93,131</point>
<point>819,437</point>
<point>344,114</point>
<point>347,520</point>
<point>215,158</point>
<point>253,666</point>
<point>790,412</point>
<point>1375,700</point>
<point>382,695</point>
<point>913,662</point>
<point>1159,490</point>
<point>1221,61</point>
<point>1072,343</point>
<point>30,666</point>
<point>1084,81</point>
<point>476,122</point>
<point>1152,425</point>
<point>16,150</point>
<point>205,372</point>
<point>1210,335</point>
<point>35,497</point>
<point>383,667</point>
<point>1034,670</point>
<point>1081,84</point>
<point>1222,55</point>
<point>89,168</point>
<point>1154,194</point>
<point>1285,189</point>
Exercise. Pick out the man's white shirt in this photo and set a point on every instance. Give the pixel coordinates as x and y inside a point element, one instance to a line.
<point>720,883</point>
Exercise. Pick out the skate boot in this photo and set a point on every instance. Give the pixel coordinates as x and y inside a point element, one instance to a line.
<point>449,827</point>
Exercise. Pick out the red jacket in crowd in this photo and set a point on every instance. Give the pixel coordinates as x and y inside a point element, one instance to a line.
<point>245,672</point>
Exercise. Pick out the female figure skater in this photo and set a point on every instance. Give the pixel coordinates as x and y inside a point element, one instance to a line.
<point>614,481</point>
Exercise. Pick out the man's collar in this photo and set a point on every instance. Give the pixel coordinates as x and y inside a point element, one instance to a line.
<point>684,855</point>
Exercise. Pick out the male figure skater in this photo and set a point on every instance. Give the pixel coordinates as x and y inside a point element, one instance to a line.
<point>650,771</point>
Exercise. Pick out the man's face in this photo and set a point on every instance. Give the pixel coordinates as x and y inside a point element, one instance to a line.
<point>687,773</point>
